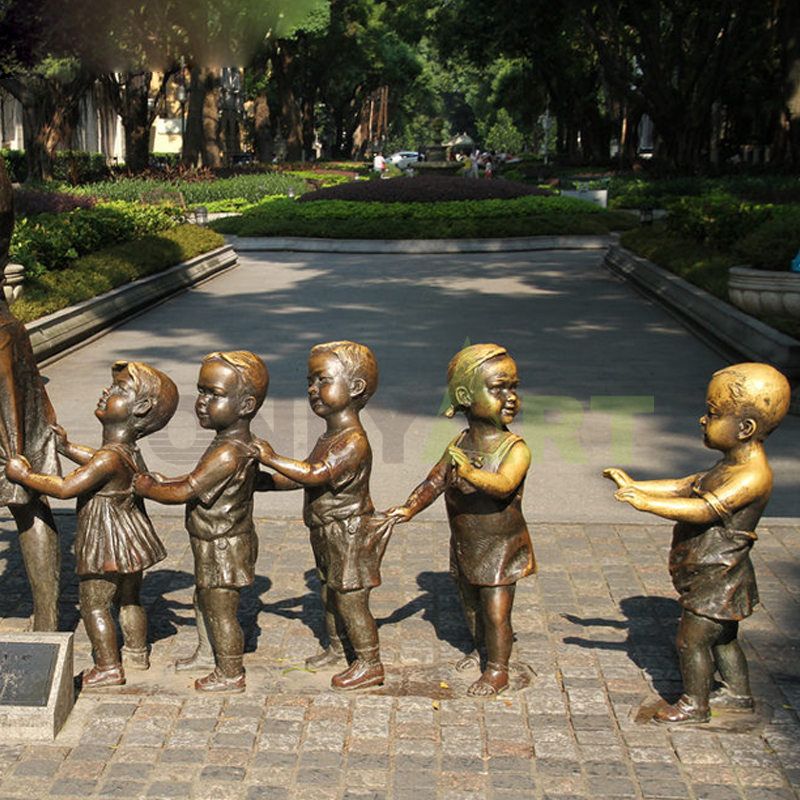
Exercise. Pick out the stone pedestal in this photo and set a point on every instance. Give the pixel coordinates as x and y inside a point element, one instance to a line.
<point>37,688</point>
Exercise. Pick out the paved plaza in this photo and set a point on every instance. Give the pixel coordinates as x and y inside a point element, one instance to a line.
<point>595,628</point>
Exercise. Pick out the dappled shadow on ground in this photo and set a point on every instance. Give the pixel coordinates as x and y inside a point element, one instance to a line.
<point>576,332</point>
<point>651,623</point>
<point>440,606</point>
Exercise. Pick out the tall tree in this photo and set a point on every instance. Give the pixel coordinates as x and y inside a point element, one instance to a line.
<point>41,66</point>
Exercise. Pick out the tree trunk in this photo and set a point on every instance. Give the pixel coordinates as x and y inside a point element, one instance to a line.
<point>212,155</point>
<point>48,110</point>
<point>263,130</point>
<point>34,127</point>
<point>135,115</point>
<point>309,133</point>
<point>193,128</point>
<point>290,120</point>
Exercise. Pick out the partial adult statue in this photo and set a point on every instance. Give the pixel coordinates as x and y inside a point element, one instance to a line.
<point>26,417</point>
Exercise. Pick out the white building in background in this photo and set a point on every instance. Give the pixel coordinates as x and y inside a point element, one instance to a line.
<point>99,129</point>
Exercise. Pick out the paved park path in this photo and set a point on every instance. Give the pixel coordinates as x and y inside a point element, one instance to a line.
<point>595,628</point>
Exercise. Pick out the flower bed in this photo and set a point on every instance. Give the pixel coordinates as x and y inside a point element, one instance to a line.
<point>424,189</point>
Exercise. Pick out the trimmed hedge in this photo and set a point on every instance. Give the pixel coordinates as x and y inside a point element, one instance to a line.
<point>644,192</point>
<point>71,166</point>
<point>51,241</point>
<point>106,269</point>
<point>340,219</point>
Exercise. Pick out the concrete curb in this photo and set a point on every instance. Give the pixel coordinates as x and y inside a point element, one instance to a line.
<point>254,244</point>
<point>61,330</point>
<point>718,321</point>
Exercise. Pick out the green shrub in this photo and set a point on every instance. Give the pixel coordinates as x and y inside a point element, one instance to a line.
<point>773,244</point>
<point>77,166</point>
<point>318,178</point>
<point>51,241</point>
<point>524,216</point>
<point>716,219</point>
<point>106,269</point>
<point>16,164</point>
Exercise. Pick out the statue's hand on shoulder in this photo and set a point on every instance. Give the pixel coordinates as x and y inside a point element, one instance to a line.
<point>62,441</point>
<point>263,451</point>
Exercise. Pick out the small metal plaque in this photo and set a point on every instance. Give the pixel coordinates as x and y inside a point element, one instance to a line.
<point>26,672</point>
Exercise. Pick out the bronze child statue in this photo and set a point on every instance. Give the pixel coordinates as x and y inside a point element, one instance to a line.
<point>347,538</point>
<point>25,419</point>
<point>218,495</point>
<point>115,541</point>
<point>482,474</point>
<point>716,513</point>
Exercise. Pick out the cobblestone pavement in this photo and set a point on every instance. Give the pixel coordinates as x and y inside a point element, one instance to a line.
<point>596,627</point>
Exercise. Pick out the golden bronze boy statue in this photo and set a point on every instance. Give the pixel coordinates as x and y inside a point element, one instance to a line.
<point>347,538</point>
<point>716,514</point>
<point>218,495</point>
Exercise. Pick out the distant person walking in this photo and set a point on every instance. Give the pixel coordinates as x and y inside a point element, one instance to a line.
<point>379,163</point>
<point>488,168</point>
<point>474,157</point>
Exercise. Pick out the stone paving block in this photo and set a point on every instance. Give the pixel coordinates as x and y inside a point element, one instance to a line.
<point>70,787</point>
<point>122,789</point>
<point>168,791</point>
<point>264,792</point>
<point>715,792</point>
<point>217,773</point>
<point>656,787</point>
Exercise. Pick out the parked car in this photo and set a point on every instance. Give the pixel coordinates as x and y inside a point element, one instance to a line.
<point>404,159</point>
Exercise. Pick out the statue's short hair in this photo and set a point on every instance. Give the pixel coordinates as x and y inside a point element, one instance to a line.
<point>359,364</point>
<point>462,369</point>
<point>252,371</point>
<point>150,384</point>
<point>759,391</point>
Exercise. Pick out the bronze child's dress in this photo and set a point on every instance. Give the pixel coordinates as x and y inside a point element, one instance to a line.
<point>489,542</point>
<point>114,533</point>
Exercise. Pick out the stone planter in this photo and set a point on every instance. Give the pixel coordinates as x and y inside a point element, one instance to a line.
<point>597,196</point>
<point>764,292</point>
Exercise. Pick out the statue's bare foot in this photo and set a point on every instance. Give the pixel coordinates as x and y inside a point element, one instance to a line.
<point>493,681</point>
<point>468,661</point>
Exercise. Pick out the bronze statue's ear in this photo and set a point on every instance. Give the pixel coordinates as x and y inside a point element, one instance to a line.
<point>463,396</point>
<point>142,407</point>
<point>247,406</point>
<point>747,428</point>
<point>357,387</point>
